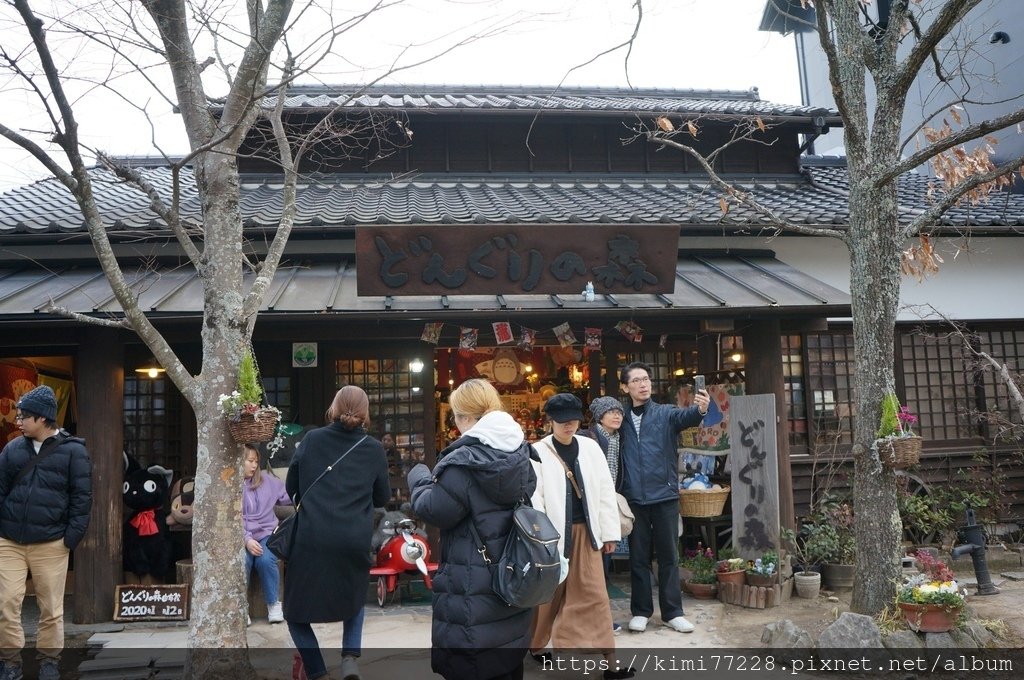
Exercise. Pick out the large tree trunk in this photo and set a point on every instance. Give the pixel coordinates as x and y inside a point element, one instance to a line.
<point>874,251</point>
<point>217,638</point>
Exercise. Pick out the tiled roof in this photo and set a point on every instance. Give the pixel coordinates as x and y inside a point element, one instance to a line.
<point>575,99</point>
<point>1001,209</point>
<point>326,201</point>
<point>729,283</point>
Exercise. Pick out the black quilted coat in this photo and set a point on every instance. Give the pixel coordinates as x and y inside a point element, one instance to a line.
<point>53,500</point>
<point>475,634</point>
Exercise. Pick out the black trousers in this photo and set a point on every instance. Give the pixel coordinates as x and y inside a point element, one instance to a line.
<point>655,525</point>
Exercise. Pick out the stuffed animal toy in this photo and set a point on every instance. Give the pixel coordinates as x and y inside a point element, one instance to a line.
<point>386,523</point>
<point>147,545</point>
<point>183,494</point>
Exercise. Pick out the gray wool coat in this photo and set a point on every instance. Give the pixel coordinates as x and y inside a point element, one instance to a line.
<point>475,634</point>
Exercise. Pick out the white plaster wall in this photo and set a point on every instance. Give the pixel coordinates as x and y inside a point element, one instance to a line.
<point>985,281</point>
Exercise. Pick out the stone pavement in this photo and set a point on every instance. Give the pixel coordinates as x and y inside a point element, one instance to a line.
<point>396,639</point>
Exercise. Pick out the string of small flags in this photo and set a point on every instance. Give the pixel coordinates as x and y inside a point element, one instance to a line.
<point>503,335</point>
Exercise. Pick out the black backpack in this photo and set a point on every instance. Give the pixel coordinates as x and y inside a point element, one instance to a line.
<point>528,570</point>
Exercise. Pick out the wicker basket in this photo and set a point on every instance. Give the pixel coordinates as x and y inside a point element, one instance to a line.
<point>900,453</point>
<point>702,502</point>
<point>252,428</point>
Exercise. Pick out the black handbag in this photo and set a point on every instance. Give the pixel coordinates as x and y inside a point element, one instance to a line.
<point>282,541</point>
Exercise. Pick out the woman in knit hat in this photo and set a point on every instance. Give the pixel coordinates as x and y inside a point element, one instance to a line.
<point>604,428</point>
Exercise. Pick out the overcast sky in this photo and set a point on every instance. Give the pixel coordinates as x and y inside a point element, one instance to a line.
<point>705,44</point>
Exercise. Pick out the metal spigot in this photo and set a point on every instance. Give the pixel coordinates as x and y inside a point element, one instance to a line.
<point>974,545</point>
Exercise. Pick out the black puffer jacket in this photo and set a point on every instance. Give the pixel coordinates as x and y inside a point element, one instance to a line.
<point>53,500</point>
<point>475,634</point>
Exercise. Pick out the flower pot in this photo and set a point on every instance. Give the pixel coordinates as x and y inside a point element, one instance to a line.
<point>838,576</point>
<point>254,427</point>
<point>738,576</point>
<point>761,579</point>
<point>702,591</point>
<point>900,453</point>
<point>807,583</point>
<point>929,618</point>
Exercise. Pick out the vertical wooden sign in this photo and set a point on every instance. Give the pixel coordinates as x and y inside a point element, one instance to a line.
<point>755,475</point>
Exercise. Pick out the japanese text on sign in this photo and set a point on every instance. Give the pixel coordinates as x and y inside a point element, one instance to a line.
<point>504,259</point>
<point>151,603</point>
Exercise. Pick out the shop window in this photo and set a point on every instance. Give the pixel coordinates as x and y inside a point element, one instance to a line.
<point>938,387</point>
<point>793,379</point>
<point>152,423</point>
<point>396,412</point>
<point>1006,347</point>
<point>829,384</point>
<point>278,391</point>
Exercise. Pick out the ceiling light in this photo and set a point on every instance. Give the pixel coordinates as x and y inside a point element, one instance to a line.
<point>416,365</point>
<point>151,369</point>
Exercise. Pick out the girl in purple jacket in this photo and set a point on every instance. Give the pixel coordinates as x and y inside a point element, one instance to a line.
<point>260,493</point>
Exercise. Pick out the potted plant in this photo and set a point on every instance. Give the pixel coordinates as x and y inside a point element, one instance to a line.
<point>806,581</point>
<point>702,580</point>
<point>731,570</point>
<point>249,420</point>
<point>832,541</point>
<point>896,444</point>
<point>931,601</point>
<point>763,571</point>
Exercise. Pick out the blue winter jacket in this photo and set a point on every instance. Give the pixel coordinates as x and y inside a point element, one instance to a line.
<point>650,465</point>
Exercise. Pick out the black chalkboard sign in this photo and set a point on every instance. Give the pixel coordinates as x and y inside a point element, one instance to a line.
<point>151,603</point>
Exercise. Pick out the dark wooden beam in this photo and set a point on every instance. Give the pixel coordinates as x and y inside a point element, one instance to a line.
<point>762,343</point>
<point>100,381</point>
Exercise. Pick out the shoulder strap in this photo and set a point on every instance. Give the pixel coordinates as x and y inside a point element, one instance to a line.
<point>47,448</point>
<point>568,473</point>
<point>329,468</point>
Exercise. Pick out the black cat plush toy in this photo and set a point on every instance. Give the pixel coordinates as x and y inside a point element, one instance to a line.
<point>147,544</point>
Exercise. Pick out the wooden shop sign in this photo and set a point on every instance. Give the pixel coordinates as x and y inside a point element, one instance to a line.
<point>516,259</point>
<point>151,603</point>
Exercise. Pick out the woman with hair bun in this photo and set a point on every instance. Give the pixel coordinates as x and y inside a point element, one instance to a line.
<point>329,570</point>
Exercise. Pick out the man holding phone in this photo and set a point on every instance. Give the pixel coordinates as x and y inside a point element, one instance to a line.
<point>651,485</point>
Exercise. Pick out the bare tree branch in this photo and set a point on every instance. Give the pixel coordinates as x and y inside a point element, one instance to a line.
<point>952,196</point>
<point>967,134</point>
<point>949,15</point>
<point>56,310</point>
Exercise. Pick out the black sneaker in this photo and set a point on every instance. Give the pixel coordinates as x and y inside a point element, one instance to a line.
<point>620,674</point>
<point>10,671</point>
<point>542,658</point>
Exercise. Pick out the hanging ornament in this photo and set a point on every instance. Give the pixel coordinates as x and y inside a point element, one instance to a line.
<point>526,338</point>
<point>502,332</point>
<point>564,335</point>
<point>467,338</point>
<point>663,340</point>
<point>630,331</point>
<point>592,338</point>
<point>431,332</point>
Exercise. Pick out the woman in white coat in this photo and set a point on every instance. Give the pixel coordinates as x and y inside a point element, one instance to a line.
<point>575,490</point>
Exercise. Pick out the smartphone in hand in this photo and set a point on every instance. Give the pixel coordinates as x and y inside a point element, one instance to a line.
<point>698,383</point>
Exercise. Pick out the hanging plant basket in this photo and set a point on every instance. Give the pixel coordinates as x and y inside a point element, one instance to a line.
<point>254,427</point>
<point>901,452</point>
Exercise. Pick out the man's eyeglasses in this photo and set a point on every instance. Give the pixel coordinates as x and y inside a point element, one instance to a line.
<point>21,416</point>
<point>640,381</point>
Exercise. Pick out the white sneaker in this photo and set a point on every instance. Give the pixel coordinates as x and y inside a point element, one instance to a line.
<point>637,624</point>
<point>680,624</point>
<point>274,613</point>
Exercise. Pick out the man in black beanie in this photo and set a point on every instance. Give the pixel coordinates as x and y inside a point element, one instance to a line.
<point>45,501</point>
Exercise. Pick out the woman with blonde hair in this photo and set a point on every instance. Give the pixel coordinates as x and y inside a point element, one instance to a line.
<point>329,569</point>
<point>479,478</point>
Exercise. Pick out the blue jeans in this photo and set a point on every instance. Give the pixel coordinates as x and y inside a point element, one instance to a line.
<point>656,526</point>
<point>266,569</point>
<point>309,649</point>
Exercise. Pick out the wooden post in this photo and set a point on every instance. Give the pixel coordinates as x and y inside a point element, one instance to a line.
<point>100,402</point>
<point>762,343</point>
